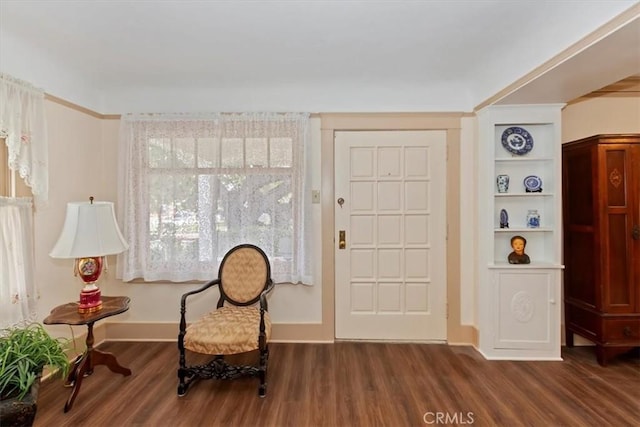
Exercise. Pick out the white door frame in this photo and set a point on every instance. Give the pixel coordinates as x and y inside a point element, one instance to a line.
<point>332,122</point>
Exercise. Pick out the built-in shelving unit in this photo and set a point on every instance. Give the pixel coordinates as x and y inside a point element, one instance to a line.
<point>519,304</point>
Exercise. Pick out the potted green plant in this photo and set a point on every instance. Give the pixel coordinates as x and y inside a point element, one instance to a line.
<point>24,352</point>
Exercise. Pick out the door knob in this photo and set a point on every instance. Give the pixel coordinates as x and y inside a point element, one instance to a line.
<point>342,239</point>
<point>635,234</point>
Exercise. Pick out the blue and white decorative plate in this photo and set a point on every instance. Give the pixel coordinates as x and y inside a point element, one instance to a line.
<point>517,140</point>
<point>533,184</point>
<point>504,219</point>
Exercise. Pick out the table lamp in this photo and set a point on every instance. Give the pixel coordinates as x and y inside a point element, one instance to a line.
<point>89,234</point>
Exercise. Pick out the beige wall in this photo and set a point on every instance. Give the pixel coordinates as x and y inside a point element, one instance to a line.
<point>599,115</point>
<point>76,172</point>
<point>83,163</point>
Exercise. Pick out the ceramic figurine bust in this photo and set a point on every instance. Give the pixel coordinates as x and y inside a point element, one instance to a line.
<point>518,256</point>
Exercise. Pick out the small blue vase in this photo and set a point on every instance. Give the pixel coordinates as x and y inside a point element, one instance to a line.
<point>533,218</point>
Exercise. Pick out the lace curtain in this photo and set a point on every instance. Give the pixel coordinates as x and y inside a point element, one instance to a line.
<point>18,293</point>
<point>193,186</point>
<point>23,126</point>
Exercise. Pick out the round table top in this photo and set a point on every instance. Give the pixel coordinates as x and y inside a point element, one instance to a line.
<point>67,314</point>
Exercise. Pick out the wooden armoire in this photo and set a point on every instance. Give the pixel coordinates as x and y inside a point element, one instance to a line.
<point>601,218</point>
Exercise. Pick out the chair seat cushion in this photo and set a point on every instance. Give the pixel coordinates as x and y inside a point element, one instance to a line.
<point>227,330</point>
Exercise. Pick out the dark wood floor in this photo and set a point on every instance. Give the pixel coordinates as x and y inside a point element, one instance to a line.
<point>356,384</point>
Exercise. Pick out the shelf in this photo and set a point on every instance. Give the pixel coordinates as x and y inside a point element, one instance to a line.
<point>523,230</point>
<point>523,159</point>
<point>524,194</point>
<point>537,265</point>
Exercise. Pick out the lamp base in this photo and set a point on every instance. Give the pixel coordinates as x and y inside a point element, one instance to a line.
<point>90,301</point>
<point>89,270</point>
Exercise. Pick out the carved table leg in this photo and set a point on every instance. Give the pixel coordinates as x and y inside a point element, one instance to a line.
<point>83,366</point>
<point>73,371</point>
<point>80,372</point>
<point>108,359</point>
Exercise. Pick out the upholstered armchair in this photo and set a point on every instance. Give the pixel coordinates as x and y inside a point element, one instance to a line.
<point>239,324</point>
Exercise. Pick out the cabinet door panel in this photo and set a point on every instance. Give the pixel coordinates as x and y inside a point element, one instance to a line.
<point>619,210</point>
<point>524,315</point>
<point>619,262</point>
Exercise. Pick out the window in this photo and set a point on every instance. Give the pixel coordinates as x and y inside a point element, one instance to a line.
<point>195,187</point>
<point>11,185</point>
<point>5,176</point>
<point>23,160</point>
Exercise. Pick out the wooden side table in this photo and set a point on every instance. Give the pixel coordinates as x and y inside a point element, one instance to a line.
<point>67,314</point>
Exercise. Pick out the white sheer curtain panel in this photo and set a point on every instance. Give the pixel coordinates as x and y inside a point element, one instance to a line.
<point>18,293</point>
<point>191,187</point>
<point>22,124</point>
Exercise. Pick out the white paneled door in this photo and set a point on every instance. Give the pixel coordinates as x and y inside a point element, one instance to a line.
<point>390,237</point>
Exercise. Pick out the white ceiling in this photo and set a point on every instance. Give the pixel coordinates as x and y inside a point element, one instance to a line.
<point>611,59</point>
<point>117,56</point>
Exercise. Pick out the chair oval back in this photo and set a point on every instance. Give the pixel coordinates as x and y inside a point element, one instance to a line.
<point>244,274</point>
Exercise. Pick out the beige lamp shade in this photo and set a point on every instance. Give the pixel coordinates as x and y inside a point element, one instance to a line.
<point>90,230</point>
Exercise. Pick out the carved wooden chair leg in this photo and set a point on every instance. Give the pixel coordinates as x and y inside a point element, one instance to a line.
<point>264,357</point>
<point>182,386</point>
